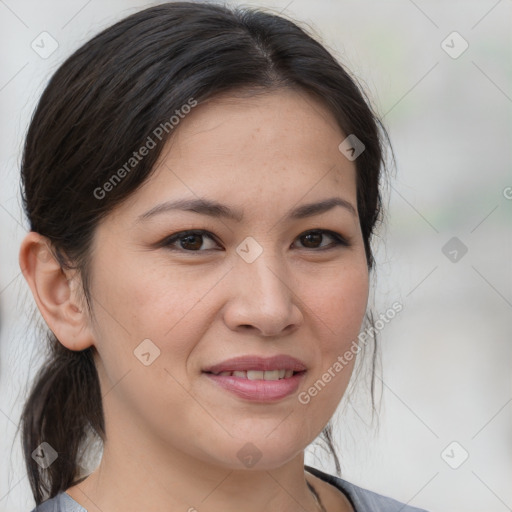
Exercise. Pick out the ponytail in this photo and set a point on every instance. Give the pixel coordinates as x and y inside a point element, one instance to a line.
<point>63,408</point>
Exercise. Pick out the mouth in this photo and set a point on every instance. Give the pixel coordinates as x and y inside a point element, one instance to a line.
<point>258,386</point>
<point>256,378</point>
<point>259,374</point>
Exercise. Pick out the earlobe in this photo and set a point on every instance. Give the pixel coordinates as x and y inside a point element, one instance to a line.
<point>55,292</point>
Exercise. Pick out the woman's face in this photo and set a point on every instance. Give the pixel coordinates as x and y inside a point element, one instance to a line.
<point>255,285</point>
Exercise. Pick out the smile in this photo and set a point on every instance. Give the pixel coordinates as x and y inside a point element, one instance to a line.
<point>260,386</point>
<point>258,374</point>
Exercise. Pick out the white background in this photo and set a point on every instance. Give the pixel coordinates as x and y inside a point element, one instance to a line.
<point>446,358</point>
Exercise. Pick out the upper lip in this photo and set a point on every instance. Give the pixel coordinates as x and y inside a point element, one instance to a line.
<point>254,362</point>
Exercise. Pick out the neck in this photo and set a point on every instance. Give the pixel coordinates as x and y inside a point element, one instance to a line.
<point>133,477</point>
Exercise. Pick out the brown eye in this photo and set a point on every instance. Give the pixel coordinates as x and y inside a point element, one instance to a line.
<point>313,239</point>
<point>189,241</point>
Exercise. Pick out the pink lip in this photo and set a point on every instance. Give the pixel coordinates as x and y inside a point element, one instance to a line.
<point>259,390</point>
<point>253,362</point>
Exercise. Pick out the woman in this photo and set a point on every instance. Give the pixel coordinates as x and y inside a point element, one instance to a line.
<point>202,185</point>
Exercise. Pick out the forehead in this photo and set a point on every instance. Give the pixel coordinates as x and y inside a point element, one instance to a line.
<point>274,120</point>
<point>248,150</point>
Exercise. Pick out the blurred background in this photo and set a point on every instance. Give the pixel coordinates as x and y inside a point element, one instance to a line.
<point>439,75</point>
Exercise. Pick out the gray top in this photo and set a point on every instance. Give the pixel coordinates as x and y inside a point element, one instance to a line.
<point>362,500</point>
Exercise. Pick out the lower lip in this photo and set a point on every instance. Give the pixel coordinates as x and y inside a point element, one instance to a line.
<point>259,390</point>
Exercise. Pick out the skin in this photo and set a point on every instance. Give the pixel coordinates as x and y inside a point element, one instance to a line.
<point>172,434</point>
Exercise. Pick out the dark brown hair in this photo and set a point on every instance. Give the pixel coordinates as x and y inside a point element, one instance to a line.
<point>101,104</point>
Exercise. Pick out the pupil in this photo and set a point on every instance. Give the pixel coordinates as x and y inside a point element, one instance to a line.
<point>186,240</point>
<point>309,236</point>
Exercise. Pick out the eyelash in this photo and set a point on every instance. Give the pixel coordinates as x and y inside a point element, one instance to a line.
<point>169,241</point>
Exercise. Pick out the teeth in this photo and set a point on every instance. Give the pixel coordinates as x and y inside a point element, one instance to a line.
<point>256,375</point>
<point>260,375</point>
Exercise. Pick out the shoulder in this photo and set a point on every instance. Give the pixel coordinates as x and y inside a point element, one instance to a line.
<point>369,501</point>
<point>364,500</point>
<point>62,502</point>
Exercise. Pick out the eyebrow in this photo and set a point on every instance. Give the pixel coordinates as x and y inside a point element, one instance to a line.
<point>218,210</point>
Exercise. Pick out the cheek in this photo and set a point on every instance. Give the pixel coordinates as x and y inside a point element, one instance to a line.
<point>339,301</point>
<point>145,300</point>
<point>148,323</point>
<point>337,312</point>
<point>136,303</point>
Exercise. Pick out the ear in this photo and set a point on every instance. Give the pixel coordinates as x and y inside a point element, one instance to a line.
<point>55,292</point>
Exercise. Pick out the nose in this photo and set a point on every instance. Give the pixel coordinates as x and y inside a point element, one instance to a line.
<point>262,298</point>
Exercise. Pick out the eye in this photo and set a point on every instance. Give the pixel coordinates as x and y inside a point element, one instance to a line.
<point>190,241</point>
<point>311,238</point>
